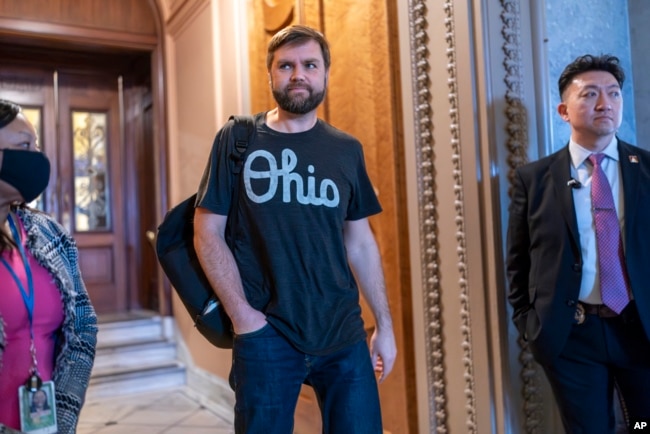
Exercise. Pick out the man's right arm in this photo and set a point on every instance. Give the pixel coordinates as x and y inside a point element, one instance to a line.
<point>221,270</point>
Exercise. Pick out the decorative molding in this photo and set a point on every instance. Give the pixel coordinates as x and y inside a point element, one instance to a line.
<point>210,390</point>
<point>75,35</point>
<point>517,146</point>
<point>517,124</point>
<point>16,83</point>
<point>277,14</point>
<point>423,128</point>
<point>182,13</point>
<point>461,248</point>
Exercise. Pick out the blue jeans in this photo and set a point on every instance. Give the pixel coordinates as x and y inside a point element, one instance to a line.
<point>267,375</point>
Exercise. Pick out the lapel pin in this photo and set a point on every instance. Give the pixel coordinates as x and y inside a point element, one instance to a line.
<point>633,159</point>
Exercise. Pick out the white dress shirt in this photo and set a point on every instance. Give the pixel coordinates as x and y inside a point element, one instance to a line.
<point>581,170</point>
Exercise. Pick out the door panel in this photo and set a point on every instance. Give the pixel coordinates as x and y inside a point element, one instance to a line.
<point>90,173</point>
<point>34,91</point>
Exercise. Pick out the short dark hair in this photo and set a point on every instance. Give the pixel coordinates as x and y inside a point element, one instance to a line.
<point>8,112</point>
<point>589,62</point>
<point>297,34</point>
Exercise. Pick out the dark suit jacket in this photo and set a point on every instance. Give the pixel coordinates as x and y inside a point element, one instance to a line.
<point>543,258</point>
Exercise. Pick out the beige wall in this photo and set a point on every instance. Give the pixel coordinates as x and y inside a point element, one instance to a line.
<point>201,37</point>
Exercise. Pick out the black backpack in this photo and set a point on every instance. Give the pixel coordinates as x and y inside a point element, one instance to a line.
<point>176,254</point>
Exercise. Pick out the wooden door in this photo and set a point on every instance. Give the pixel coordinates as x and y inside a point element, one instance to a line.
<point>90,184</point>
<point>81,135</point>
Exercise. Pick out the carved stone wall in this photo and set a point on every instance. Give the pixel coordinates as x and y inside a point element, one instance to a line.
<point>499,111</point>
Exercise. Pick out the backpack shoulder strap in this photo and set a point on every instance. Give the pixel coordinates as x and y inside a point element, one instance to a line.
<point>243,133</point>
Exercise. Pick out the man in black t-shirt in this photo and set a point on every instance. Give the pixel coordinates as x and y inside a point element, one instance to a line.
<point>286,278</point>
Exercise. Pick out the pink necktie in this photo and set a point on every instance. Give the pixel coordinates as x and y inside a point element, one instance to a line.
<point>613,281</point>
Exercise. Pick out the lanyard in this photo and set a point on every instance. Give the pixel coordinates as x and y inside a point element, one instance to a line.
<point>28,295</point>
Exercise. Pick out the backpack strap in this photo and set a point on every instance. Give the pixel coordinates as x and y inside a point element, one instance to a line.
<point>243,132</point>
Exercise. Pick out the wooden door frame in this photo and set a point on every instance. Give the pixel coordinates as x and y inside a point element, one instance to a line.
<point>70,37</point>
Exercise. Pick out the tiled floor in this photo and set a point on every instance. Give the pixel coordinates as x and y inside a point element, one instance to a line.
<point>172,411</point>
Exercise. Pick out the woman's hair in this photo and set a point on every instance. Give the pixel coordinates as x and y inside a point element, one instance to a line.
<point>46,404</point>
<point>8,112</point>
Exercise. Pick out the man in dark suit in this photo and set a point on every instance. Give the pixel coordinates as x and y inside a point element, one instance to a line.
<point>585,310</point>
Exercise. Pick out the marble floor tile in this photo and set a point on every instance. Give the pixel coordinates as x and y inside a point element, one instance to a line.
<point>170,411</point>
<point>205,418</point>
<point>184,430</point>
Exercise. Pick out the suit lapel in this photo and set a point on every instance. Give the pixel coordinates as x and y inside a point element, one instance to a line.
<point>630,169</point>
<point>560,170</point>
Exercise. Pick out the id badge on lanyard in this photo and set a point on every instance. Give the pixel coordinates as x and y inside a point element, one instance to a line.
<point>36,398</point>
<point>38,409</point>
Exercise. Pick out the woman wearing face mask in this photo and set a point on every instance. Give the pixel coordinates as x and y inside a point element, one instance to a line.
<point>47,324</point>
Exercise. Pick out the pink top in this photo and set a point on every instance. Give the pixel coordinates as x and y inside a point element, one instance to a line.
<point>15,361</point>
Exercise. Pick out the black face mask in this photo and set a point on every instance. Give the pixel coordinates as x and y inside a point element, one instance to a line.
<point>27,171</point>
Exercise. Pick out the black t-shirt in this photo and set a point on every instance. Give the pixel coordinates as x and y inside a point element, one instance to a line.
<point>296,191</point>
